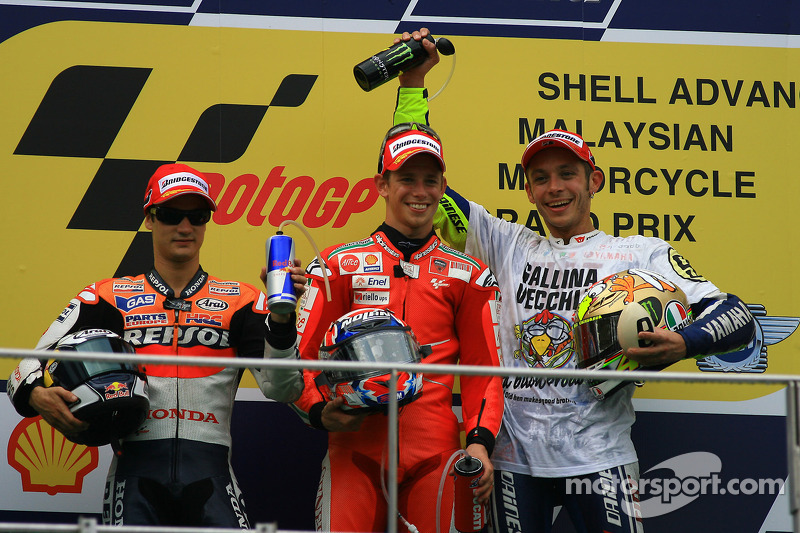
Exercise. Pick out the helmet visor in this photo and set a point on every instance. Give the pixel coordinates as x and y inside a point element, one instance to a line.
<point>70,374</point>
<point>380,346</point>
<point>98,344</point>
<point>596,341</point>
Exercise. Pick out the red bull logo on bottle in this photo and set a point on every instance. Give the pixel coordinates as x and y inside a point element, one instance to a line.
<point>280,260</point>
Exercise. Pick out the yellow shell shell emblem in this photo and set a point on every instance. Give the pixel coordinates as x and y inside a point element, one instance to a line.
<point>46,460</point>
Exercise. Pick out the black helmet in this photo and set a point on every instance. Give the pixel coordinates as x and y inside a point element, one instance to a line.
<point>112,396</point>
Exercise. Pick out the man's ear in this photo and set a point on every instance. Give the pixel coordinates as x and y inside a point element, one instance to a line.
<point>382,184</point>
<point>596,180</point>
<point>148,221</point>
<point>528,191</point>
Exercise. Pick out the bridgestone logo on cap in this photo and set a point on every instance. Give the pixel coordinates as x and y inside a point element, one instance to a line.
<point>414,141</point>
<point>574,139</point>
<point>181,179</point>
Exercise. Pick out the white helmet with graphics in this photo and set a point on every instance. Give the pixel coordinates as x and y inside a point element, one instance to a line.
<point>613,313</point>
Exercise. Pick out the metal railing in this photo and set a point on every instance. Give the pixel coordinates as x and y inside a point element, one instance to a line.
<point>90,525</point>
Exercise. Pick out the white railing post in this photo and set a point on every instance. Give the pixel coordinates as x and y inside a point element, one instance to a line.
<point>87,525</point>
<point>393,447</point>
<point>793,452</point>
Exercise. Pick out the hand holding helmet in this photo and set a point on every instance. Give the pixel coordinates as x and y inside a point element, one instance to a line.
<point>369,335</point>
<point>52,403</point>
<point>109,397</point>
<point>610,318</point>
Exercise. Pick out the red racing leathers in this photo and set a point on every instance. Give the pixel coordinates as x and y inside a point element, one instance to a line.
<point>175,469</point>
<point>451,302</point>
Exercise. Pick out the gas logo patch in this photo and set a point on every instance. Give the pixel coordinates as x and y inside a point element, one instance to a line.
<point>128,304</point>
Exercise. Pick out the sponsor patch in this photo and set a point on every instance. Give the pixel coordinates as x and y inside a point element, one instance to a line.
<point>203,318</point>
<point>128,286</point>
<point>410,269</point>
<point>438,283</point>
<point>682,267</point>
<point>438,266</point>
<point>370,282</point>
<point>308,298</point>
<point>145,319</point>
<point>371,297</point>
<point>372,263</point>
<point>228,288</point>
<point>302,320</point>
<point>127,304</point>
<point>459,270</point>
<point>360,262</point>
<point>188,336</point>
<point>211,304</point>
<point>350,263</point>
<point>66,312</point>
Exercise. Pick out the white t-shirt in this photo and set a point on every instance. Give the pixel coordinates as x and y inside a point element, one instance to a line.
<point>556,428</point>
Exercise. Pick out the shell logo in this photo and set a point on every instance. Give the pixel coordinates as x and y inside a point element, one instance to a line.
<point>46,460</point>
<point>371,259</point>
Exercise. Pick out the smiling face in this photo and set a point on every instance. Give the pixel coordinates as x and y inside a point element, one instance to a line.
<point>178,244</point>
<point>557,183</point>
<point>412,195</point>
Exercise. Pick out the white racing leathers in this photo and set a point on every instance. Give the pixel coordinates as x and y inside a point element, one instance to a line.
<point>175,469</point>
<point>555,427</point>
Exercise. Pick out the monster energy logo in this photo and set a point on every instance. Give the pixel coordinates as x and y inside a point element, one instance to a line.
<point>397,55</point>
<point>651,310</point>
<point>394,59</point>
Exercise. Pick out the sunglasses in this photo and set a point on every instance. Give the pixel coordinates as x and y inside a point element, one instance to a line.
<point>402,128</point>
<point>173,217</point>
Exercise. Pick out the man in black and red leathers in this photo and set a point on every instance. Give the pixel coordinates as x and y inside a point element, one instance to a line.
<point>175,470</point>
<point>451,302</point>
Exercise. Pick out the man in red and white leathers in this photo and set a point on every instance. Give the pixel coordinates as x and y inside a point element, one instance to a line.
<point>451,302</point>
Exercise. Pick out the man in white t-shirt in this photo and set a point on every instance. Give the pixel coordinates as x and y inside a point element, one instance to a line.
<point>555,431</point>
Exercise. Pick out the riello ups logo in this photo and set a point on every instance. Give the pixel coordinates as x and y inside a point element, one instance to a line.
<point>83,111</point>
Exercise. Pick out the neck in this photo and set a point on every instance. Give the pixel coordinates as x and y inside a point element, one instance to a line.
<point>405,243</point>
<point>566,234</point>
<point>176,275</point>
